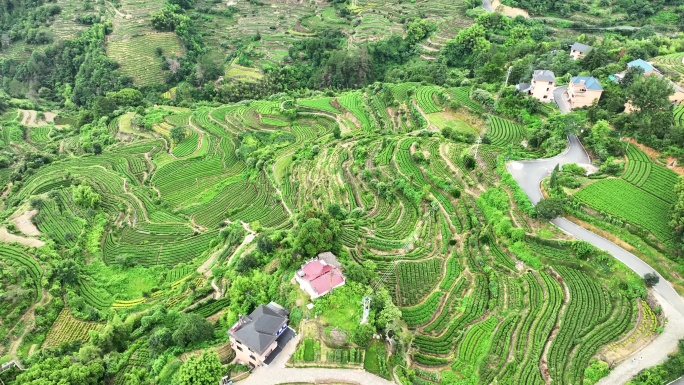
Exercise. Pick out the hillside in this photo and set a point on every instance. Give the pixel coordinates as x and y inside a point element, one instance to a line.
<point>168,169</point>
<point>444,235</point>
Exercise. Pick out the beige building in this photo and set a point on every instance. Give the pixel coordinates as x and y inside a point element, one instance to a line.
<point>542,86</point>
<point>579,50</point>
<point>583,91</point>
<point>254,337</point>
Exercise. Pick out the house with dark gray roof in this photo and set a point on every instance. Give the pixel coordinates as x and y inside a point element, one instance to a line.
<point>542,86</point>
<point>255,336</point>
<point>579,50</point>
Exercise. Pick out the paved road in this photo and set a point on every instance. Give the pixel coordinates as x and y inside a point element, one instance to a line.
<point>677,382</point>
<point>487,5</point>
<point>529,175</point>
<point>558,93</point>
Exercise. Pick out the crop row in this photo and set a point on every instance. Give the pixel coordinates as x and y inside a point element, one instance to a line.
<point>66,328</point>
<point>503,132</point>
<point>422,312</point>
<point>475,306</point>
<point>166,254</point>
<point>621,199</point>
<point>211,308</point>
<point>416,279</point>
<point>9,254</point>
<point>188,145</point>
<point>92,296</point>
<point>588,306</point>
<point>499,349</point>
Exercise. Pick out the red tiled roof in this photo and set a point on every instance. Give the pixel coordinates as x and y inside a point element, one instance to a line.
<point>312,269</point>
<point>322,277</point>
<point>324,283</point>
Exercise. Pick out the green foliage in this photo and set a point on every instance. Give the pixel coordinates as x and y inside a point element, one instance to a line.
<point>664,373</point>
<point>205,369</point>
<point>61,370</point>
<point>84,196</point>
<point>651,279</point>
<point>550,208</point>
<point>191,329</point>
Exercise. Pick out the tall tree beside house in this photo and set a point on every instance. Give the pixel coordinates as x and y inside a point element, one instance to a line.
<point>201,370</point>
<point>650,96</point>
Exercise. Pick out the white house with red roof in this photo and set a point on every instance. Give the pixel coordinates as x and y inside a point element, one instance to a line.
<point>319,276</point>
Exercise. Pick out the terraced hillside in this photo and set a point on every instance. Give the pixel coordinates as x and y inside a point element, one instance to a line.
<point>486,297</point>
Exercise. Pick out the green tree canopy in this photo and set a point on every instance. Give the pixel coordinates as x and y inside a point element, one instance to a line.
<point>317,234</point>
<point>201,370</point>
<point>58,371</point>
<point>550,208</point>
<point>677,219</point>
<point>192,328</point>
<point>85,196</point>
<point>177,134</point>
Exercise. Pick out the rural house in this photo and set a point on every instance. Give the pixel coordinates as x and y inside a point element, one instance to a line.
<point>579,50</point>
<point>319,276</point>
<point>255,337</point>
<point>543,83</point>
<point>583,91</point>
<point>650,70</point>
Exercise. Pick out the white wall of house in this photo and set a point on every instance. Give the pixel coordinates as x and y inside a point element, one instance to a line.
<point>542,90</point>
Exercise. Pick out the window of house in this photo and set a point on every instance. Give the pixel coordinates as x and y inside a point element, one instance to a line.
<point>547,88</point>
<point>252,357</point>
<point>239,347</point>
<point>546,96</point>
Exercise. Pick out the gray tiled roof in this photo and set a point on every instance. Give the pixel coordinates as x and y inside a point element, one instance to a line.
<point>258,330</point>
<point>544,75</point>
<point>580,47</point>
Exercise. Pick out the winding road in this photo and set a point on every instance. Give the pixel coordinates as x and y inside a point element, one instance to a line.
<point>529,175</point>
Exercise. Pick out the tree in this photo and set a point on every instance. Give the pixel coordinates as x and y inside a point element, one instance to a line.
<point>650,94</point>
<point>631,74</point>
<point>84,196</point>
<point>315,235</point>
<point>651,279</point>
<point>362,335</point>
<point>56,371</point>
<point>336,132</point>
<point>67,272</point>
<point>265,244</point>
<point>192,328</point>
<point>597,57</point>
<point>466,46</point>
<point>550,208</point>
<point>553,181</point>
<point>160,341</point>
<point>677,218</point>
<point>599,137</point>
<point>177,134</point>
<point>201,370</point>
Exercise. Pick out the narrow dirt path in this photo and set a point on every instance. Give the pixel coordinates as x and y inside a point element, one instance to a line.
<point>25,225</point>
<point>29,320</point>
<point>5,236</point>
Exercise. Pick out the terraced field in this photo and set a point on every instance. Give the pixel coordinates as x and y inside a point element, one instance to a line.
<point>478,308</point>
<point>138,58</point>
<point>643,181</point>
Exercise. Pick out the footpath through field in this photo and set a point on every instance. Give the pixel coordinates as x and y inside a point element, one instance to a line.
<point>529,175</point>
